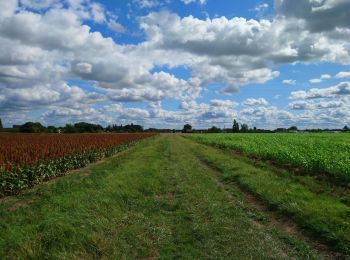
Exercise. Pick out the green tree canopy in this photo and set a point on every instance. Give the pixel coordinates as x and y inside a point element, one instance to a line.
<point>32,127</point>
<point>293,128</point>
<point>214,129</point>
<point>83,127</point>
<point>244,128</point>
<point>187,128</point>
<point>69,128</point>
<point>133,128</point>
<point>127,128</point>
<point>235,126</point>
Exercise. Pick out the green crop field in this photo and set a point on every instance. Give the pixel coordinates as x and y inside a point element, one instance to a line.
<point>314,153</point>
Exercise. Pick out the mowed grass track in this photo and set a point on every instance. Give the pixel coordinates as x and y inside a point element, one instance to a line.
<point>157,200</point>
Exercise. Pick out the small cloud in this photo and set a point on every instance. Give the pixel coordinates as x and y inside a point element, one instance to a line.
<point>319,80</point>
<point>289,81</point>
<point>315,81</point>
<point>223,103</point>
<point>300,105</point>
<point>115,26</point>
<point>261,8</point>
<point>146,3</point>
<point>83,68</point>
<point>255,102</point>
<point>343,74</point>
<point>326,76</point>
<point>342,89</point>
<point>186,2</point>
<point>98,13</point>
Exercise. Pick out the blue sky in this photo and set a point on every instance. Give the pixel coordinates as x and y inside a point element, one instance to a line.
<point>166,63</point>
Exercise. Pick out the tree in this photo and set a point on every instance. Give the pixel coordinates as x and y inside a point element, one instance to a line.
<point>1,126</point>
<point>83,127</point>
<point>32,127</point>
<point>69,128</point>
<point>115,128</point>
<point>127,128</point>
<point>51,129</point>
<point>235,126</point>
<point>133,128</point>
<point>345,129</point>
<point>293,128</point>
<point>244,128</point>
<point>214,129</point>
<point>187,128</point>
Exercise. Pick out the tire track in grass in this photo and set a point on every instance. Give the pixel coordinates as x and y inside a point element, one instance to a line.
<point>267,216</point>
<point>278,193</point>
<point>201,171</point>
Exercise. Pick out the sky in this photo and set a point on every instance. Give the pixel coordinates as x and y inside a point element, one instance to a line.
<point>166,63</point>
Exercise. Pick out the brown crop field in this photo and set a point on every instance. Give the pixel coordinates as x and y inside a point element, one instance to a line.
<point>28,159</point>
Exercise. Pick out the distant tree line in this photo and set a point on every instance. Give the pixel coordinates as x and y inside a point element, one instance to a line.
<point>83,127</point>
<point>244,128</point>
<point>127,128</point>
<point>236,128</point>
<point>161,130</point>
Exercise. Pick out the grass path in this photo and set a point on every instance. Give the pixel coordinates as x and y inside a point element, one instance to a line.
<point>303,199</point>
<point>157,200</point>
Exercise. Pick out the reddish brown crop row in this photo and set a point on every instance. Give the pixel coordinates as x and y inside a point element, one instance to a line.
<point>31,149</point>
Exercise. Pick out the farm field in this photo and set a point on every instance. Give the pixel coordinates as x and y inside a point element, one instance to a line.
<point>171,197</point>
<point>28,159</point>
<point>313,153</point>
<point>174,129</point>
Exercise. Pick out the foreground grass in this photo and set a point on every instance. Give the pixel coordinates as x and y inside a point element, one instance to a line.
<point>325,215</point>
<point>158,200</point>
